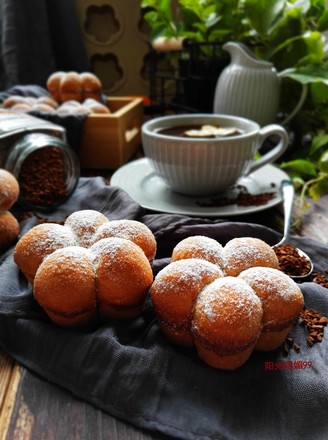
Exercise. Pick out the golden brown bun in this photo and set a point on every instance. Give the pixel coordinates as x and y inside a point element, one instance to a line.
<point>60,273</point>
<point>48,101</point>
<point>226,323</point>
<point>132,230</point>
<point>244,252</point>
<point>91,86</point>
<point>53,85</point>
<point>199,246</point>
<point>9,229</point>
<point>95,107</point>
<point>9,190</point>
<point>70,87</point>
<point>13,100</point>
<point>282,302</point>
<point>39,242</point>
<point>84,224</point>
<point>173,294</point>
<point>43,108</point>
<point>123,275</point>
<point>22,107</point>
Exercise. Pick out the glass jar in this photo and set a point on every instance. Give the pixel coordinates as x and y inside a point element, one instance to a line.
<point>46,169</point>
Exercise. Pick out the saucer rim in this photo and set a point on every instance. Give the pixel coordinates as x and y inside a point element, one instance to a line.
<point>128,181</point>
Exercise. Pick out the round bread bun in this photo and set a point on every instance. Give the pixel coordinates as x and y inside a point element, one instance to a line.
<point>22,107</point>
<point>37,243</point>
<point>61,273</point>
<point>43,108</point>
<point>95,106</point>
<point>70,87</point>
<point>226,323</point>
<point>53,85</point>
<point>48,101</point>
<point>199,246</point>
<point>91,86</point>
<point>13,100</point>
<point>124,276</point>
<point>282,302</point>
<point>174,292</point>
<point>9,190</point>
<point>9,229</point>
<point>84,225</point>
<point>243,252</point>
<point>131,230</point>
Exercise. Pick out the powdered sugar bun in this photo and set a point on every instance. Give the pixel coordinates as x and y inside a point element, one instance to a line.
<point>9,190</point>
<point>132,230</point>
<point>282,302</point>
<point>244,252</point>
<point>227,322</point>
<point>61,273</point>
<point>124,276</point>
<point>173,293</point>
<point>39,242</point>
<point>9,229</point>
<point>199,246</point>
<point>84,224</point>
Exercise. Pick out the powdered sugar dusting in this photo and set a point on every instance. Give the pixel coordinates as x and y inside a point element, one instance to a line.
<point>199,246</point>
<point>45,238</point>
<point>269,282</point>
<point>111,247</point>
<point>190,272</point>
<point>244,252</point>
<point>85,224</point>
<point>229,300</point>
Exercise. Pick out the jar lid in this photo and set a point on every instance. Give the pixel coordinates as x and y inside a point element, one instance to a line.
<point>46,168</point>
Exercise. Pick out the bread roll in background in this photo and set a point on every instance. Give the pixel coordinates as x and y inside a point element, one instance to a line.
<point>70,87</point>
<point>53,85</point>
<point>91,86</point>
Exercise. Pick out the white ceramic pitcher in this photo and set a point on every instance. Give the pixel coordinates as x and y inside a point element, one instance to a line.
<point>250,87</point>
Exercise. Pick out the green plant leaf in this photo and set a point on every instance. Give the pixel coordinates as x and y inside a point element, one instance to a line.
<point>323,161</point>
<point>323,21</point>
<point>302,166</point>
<point>318,143</point>
<point>263,13</point>
<point>319,187</point>
<point>310,74</point>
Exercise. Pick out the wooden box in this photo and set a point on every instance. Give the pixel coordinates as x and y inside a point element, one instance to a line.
<point>109,140</point>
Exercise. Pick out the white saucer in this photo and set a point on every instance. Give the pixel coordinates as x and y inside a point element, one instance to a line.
<point>139,180</point>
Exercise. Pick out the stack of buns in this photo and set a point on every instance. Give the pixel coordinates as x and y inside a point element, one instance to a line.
<point>9,192</point>
<point>69,93</point>
<point>225,300</point>
<point>89,269</point>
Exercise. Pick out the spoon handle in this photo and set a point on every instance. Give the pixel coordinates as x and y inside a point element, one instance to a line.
<point>287,191</point>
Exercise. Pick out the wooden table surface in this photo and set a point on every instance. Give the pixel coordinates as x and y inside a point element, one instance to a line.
<point>32,408</point>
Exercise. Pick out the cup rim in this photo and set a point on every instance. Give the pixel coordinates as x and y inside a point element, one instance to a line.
<point>148,127</point>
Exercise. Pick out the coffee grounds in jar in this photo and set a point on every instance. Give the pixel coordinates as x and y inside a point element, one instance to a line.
<point>42,178</point>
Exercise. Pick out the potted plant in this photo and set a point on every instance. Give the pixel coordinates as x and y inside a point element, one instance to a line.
<point>198,28</point>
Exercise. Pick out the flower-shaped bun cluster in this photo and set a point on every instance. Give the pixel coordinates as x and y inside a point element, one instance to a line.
<point>89,267</point>
<point>9,192</point>
<point>226,300</point>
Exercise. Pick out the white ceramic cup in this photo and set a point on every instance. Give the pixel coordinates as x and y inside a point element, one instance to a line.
<point>207,166</point>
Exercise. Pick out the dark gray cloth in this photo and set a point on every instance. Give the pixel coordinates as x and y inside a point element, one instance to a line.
<point>131,371</point>
<point>38,37</point>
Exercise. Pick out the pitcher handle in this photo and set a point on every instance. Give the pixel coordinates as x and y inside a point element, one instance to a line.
<point>301,100</point>
<point>276,152</point>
